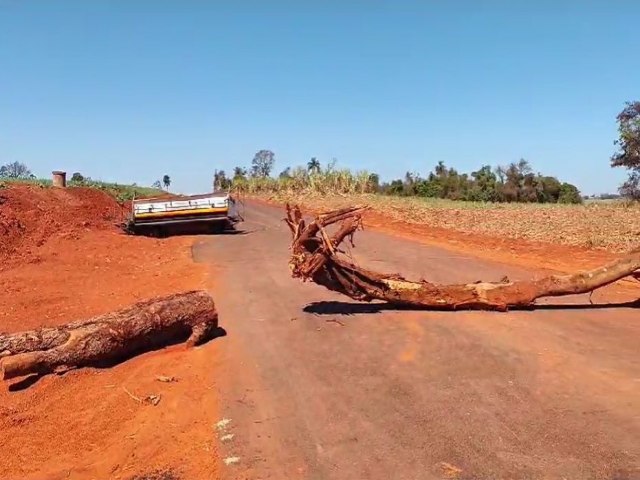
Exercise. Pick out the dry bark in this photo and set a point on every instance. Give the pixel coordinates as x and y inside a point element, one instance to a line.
<point>316,256</point>
<point>108,338</point>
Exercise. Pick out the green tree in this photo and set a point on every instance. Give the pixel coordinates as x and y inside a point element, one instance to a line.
<point>262,163</point>
<point>531,189</point>
<point>430,188</point>
<point>484,183</point>
<point>77,177</point>
<point>411,182</point>
<point>454,185</point>
<point>373,183</point>
<point>569,194</point>
<point>220,180</point>
<point>524,167</point>
<point>550,189</point>
<point>239,173</point>
<point>15,170</point>
<point>512,182</point>
<point>286,173</point>
<point>166,181</point>
<point>396,187</point>
<point>313,165</point>
<point>628,154</point>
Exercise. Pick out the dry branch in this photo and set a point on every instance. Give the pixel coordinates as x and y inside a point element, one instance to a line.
<point>111,337</point>
<point>318,258</point>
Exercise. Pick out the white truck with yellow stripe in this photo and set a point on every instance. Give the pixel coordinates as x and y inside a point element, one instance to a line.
<point>157,215</point>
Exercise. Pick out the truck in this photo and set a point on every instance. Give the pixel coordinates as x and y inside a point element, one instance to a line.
<point>160,216</point>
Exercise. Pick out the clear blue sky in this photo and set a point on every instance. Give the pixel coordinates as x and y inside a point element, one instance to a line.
<point>129,90</point>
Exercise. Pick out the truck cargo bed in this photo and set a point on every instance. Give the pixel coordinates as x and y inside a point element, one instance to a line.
<point>155,213</point>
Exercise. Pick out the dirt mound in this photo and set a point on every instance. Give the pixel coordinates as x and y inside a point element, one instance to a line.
<point>30,216</point>
<point>84,425</point>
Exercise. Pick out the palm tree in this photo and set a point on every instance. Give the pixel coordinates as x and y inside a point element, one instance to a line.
<point>166,181</point>
<point>313,166</point>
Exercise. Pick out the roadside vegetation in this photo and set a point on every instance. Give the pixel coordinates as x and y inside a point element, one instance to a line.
<point>506,201</point>
<point>516,182</point>
<point>525,206</point>
<point>19,173</point>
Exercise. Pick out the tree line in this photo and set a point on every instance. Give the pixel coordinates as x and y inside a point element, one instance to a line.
<point>515,182</point>
<point>261,167</point>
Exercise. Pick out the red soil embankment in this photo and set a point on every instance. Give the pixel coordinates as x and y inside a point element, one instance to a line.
<point>30,216</point>
<point>63,258</point>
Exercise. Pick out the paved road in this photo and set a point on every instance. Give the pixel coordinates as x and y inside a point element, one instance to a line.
<point>320,387</point>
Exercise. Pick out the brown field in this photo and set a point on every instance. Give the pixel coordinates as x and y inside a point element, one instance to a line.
<point>609,226</point>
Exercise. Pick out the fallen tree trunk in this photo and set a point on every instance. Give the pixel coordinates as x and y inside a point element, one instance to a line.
<point>317,257</point>
<point>108,338</point>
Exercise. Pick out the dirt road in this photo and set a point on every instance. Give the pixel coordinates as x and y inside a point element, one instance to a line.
<point>316,386</point>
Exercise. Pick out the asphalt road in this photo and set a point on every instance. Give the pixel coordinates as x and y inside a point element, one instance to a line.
<point>317,386</point>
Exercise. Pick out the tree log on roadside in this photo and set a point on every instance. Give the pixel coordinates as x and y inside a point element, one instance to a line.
<point>316,256</point>
<point>108,338</point>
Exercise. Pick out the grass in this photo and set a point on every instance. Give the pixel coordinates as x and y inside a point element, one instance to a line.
<point>612,226</point>
<point>299,182</point>
<point>608,225</point>
<point>118,191</point>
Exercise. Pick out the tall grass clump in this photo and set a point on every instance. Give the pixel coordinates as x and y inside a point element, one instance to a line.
<point>300,181</point>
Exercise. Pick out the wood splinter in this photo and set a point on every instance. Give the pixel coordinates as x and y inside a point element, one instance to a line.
<point>316,257</point>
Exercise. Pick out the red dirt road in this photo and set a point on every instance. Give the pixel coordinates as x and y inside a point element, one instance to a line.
<point>317,386</point>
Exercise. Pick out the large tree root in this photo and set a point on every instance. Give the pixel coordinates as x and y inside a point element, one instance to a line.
<point>111,337</point>
<point>316,256</point>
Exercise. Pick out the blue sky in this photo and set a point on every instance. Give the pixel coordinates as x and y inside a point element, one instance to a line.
<point>131,90</point>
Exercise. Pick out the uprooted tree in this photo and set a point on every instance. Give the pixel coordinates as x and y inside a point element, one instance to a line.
<point>317,256</point>
<point>106,339</point>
